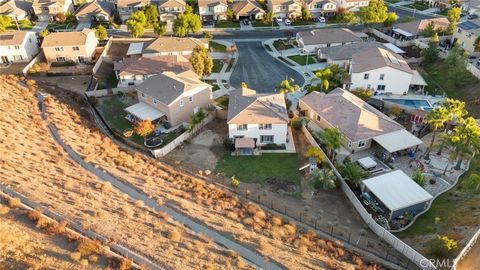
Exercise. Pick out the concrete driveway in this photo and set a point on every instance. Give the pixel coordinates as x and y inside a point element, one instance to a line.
<point>39,26</point>
<point>259,70</point>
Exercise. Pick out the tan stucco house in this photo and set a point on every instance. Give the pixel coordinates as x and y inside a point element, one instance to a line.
<point>78,47</point>
<point>101,11</point>
<point>212,10</point>
<point>46,10</point>
<point>285,8</point>
<point>173,46</point>
<point>247,9</point>
<point>171,98</point>
<point>466,33</point>
<point>125,8</point>
<point>320,8</point>
<point>18,10</point>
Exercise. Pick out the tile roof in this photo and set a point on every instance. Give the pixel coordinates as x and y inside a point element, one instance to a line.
<point>96,7</point>
<point>152,65</point>
<point>345,52</point>
<point>245,106</point>
<point>211,3</point>
<point>126,3</point>
<point>356,119</point>
<point>374,58</point>
<point>173,44</point>
<point>416,27</point>
<point>246,8</point>
<point>16,8</point>
<point>12,38</point>
<point>66,38</point>
<point>167,86</point>
<point>171,3</point>
<point>328,35</point>
<point>43,3</point>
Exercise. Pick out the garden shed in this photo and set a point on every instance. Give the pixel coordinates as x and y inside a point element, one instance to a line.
<point>398,193</point>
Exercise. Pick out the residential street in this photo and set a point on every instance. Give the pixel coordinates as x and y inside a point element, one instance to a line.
<point>260,70</point>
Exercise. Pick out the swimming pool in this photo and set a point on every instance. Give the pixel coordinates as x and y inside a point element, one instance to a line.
<point>415,103</point>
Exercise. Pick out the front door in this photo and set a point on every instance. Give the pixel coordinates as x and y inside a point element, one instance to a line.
<point>81,60</point>
<point>4,59</point>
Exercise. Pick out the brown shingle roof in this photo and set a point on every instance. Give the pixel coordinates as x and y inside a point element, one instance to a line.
<point>66,38</point>
<point>173,44</point>
<point>95,8</point>
<point>376,57</point>
<point>246,8</point>
<point>245,106</point>
<point>44,3</point>
<point>416,27</point>
<point>126,3</point>
<point>167,86</point>
<point>152,65</point>
<point>16,8</point>
<point>328,35</point>
<point>172,3</point>
<point>356,119</point>
<point>206,3</point>
<point>12,38</point>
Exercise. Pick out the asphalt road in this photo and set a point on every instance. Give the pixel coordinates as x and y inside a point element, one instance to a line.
<point>402,13</point>
<point>259,70</point>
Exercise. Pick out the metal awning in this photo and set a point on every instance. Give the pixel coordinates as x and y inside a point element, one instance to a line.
<point>244,143</point>
<point>403,32</point>
<point>417,79</point>
<point>143,111</point>
<point>397,140</point>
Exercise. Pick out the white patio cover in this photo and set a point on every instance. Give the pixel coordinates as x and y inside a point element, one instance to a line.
<point>396,190</point>
<point>417,79</point>
<point>144,111</point>
<point>397,140</point>
<point>403,32</point>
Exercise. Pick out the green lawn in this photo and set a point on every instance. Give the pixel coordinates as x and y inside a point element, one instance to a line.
<point>217,65</point>
<point>300,22</point>
<point>222,102</point>
<point>227,24</point>
<point>268,48</point>
<point>417,6</point>
<point>217,47</point>
<point>257,169</point>
<point>302,59</point>
<point>263,24</point>
<point>23,24</point>
<point>393,1</point>
<point>285,61</point>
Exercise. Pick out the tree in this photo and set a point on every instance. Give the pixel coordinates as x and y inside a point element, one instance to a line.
<point>453,16</point>
<point>322,179</point>
<point>306,14</point>
<point>101,32</point>
<point>435,119</point>
<point>347,17</point>
<point>375,12</point>
<point>456,61</point>
<point>363,93</point>
<point>435,39</point>
<point>429,30</point>
<point>391,19</point>
<point>230,14</point>
<point>419,178</point>
<point>136,24</point>
<point>467,139</point>
<point>353,173</point>
<point>187,22</point>
<point>151,14</point>
<point>472,183</point>
<point>207,35</point>
<point>144,128</point>
<point>334,74</point>
<point>288,86</point>
<point>442,246</point>
<point>160,28</point>
<point>44,33</point>
<point>332,138</point>
<point>5,22</point>
<point>316,152</point>
<point>268,17</point>
<point>202,63</point>
<point>430,53</point>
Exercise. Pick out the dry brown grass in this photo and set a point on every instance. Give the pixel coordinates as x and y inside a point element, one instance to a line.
<point>4,210</point>
<point>210,204</point>
<point>14,202</point>
<point>174,235</point>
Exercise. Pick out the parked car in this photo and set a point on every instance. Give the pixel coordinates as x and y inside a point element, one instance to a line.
<point>376,103</point>
<point>288,22</point>
<point>472,58</point>
<point>278,19</point>
<point>322,19</point>
<point>246,22</point>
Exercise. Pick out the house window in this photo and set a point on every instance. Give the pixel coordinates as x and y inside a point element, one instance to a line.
<point>459,30</point>
<point>242,127</point>
<point>382,76</point>
<point>143,95</point>
<point>17,57</point>
<point>349,144</point>
<point>58,49</point>
<point>362,143</point>
<point>190,99</point>
<point>369,86</point>
<point>17,47</point>
<point>381,87</point>
<point>181,103</point>
<point>266,139</point>
<point>76,48</point>
<point>318,118</point>
<point>60,59</point>
<point>265,126</point>
<point>366,76</point>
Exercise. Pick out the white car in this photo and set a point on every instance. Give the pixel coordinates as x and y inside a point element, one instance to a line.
<point>322,19</point>
<point>288,22</point>
<point>279,19</point>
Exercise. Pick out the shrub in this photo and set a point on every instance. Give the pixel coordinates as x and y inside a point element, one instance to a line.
<point>14,202</point>
<point>84,262</point>
<point>4,210</point>
<point>235,182</point>
<point>297,124</point>
<point>93,258</point>
<point>395,111</point>
<point>57,227</point>
<point>264,246</point>
<point>419,178</point>
<point>87,247</point>
<point>442,246</point>
<point>125,264</point>
<point>174,235</point>
<point>228,144</point>
<point>75,256</point>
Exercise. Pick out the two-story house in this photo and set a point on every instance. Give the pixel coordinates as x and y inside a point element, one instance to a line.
<point>170,98</point>
<point>384,72</point>
<point>16,10</point>
<point>466,34</point>
<point>78,47</point>
<point>311,41</point>
<point>212,10</point>
<point>285,8</point>
<point>169,11</point>
<point>125,8</point>
<point>321,8</point>
<point>172,46</point>
<point>412,30</point>
<point>352,5</point>
<point>256,119</point>
<point>46,10</point>
<point>247,9</point>
<point>100,11</point>
<point>135,70</point>
<point>17,47</point>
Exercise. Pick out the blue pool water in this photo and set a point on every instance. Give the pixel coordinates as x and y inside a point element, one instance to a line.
<point>415,103</point>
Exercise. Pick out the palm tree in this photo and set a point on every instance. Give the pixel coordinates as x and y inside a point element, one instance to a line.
<point>322,179</point>
<point>456,111</point>
<point>435,119</point>
<point>324,76</point>
<point>333,141</point>
<point>466,137</point>
<point>447,143</point>
<point>288,86</point>
<point>353,173</point>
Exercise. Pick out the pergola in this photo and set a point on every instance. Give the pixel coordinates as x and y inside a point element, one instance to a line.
<point>397,140</point>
